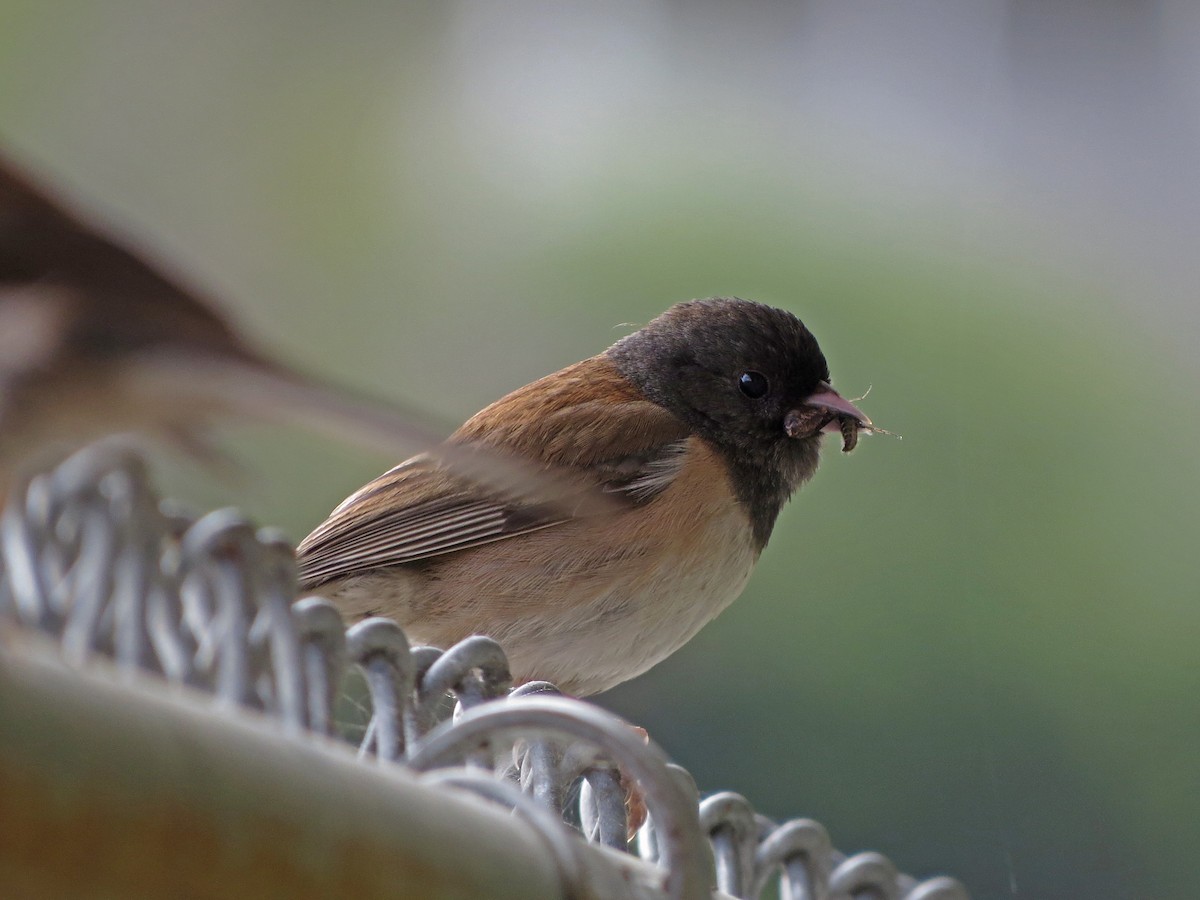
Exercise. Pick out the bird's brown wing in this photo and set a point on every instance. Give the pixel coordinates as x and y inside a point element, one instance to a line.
<point>626,446</point>
<point>97,337</point>
<point>362,535</point>
<point>120,302</point>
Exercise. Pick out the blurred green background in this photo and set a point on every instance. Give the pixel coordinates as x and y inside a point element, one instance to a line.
<point>973,649</point>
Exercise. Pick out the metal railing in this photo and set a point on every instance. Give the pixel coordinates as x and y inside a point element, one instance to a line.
<point>123,588</point>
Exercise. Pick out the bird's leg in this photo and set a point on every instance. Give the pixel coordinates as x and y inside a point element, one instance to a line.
<point>635,802</point>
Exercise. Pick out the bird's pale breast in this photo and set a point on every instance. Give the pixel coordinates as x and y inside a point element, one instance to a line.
<point>589,603</point>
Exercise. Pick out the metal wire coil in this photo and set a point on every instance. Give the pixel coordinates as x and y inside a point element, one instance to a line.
<point>90,557</point>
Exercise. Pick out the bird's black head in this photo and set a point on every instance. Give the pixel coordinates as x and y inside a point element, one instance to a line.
<point>751,380</point>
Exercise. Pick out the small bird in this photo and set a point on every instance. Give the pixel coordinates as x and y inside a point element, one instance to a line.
<point>95,340</point>
<point>700,425</point>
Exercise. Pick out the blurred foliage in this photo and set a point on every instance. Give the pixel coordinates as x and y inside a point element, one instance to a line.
<point>972,649</point>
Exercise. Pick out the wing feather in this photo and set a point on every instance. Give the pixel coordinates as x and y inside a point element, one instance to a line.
<point>417,511</point>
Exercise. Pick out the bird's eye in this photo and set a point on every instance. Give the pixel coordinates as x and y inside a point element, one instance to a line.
<point>754,384</point>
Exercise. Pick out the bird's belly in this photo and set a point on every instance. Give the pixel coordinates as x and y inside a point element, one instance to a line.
<point>590,604</point>
<point>635,623</point>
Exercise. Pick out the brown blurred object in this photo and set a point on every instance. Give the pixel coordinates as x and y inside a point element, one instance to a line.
<point>95,340</point>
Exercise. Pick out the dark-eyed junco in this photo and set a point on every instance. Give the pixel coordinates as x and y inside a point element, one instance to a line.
<point>95,340</point>
<point>701,425</point>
